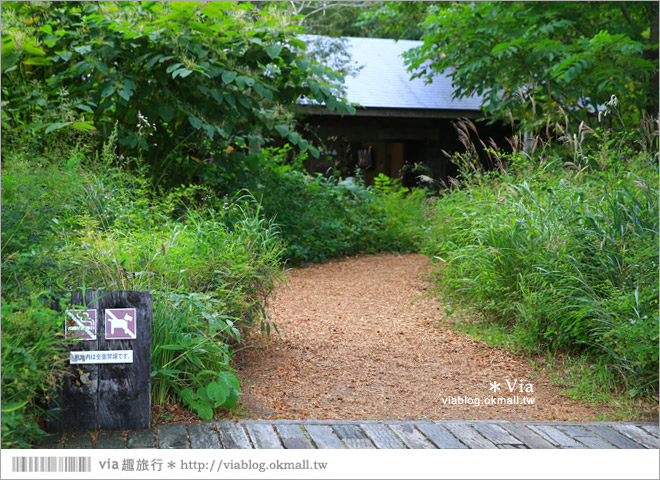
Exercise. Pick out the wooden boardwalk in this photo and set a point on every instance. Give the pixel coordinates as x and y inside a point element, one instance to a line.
<point>312,434</point>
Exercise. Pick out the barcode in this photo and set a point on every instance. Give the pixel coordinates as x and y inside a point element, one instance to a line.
<point>51,464</point>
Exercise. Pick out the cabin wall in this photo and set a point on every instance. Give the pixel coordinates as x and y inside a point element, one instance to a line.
<point>394,141</point>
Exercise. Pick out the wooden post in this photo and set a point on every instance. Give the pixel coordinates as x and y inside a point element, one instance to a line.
<point>107,396</point>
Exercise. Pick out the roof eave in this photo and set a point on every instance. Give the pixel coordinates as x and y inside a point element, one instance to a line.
<point>395,112</point>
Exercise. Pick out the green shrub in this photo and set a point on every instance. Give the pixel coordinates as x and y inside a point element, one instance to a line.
<point>190,98</point>
<point>211,262</point>
<point>191,353</point>
<point>322,218</point>
<point>33,359</point>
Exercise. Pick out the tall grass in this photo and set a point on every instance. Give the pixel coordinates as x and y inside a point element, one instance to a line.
<point>565,259</point>
<point>192,353</point>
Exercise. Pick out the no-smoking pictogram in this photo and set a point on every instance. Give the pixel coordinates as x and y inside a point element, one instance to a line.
<point>81,324</point>
<point>120,323</point>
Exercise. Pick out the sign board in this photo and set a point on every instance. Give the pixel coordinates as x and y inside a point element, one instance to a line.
<point>120,324</point>
<point>81,324</point>
<point>101,356</point>
<point>108,382</point>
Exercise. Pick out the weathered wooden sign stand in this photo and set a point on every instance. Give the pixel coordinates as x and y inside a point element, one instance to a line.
<point>108,386</point>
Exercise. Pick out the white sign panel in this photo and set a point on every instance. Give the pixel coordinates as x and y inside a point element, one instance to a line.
<point>120,323</point>
<point>103,356</point>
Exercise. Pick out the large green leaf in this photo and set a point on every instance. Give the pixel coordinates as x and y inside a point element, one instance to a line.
<point>195,122</point>
<point>230,379</point>
<point>57,126</point>
<point>273,50</point>
<point>166,111</point>
<point>282,130</point>
<point>228,76</point>
<point>303,64</point>
<point>10,407</point>
<point>218,391</point>
<point>204,409</point>
<point>232,399</point>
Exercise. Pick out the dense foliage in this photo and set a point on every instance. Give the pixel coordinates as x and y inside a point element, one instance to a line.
<point>191,87</point>
<point>320,218</point>
<point>542,60</point>
<point>78,222</point>
<point>81,219</point>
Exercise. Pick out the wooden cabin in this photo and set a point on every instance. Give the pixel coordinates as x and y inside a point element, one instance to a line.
<point>402,126</point>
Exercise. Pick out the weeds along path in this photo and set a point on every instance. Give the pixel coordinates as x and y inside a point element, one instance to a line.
<point>362,340</point>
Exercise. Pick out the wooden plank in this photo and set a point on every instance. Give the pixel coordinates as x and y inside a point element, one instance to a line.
<point>638,435</point>
<point>142,439</point>
<point>263,436</point>
<point>353,437</point>
<point>293,437</point>
<point>584,436</point>
<point>203,436</point>
<point>232,435</point>
<point>495,434</point>
<point>110,440</point>
<point>439,435</point>
<point>612,436</point>
<point>411,436</point>
<point>324,437</point>
<point>381,436</point>
<point>556,437</point>
<point>124,388</point>
<point>173,436</point>
<point>653,430</point>
<point>528,437</point>
<point>79,440</point>
<point>468,436</point>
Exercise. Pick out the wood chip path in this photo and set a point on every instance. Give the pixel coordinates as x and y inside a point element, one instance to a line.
<point>363,339</point>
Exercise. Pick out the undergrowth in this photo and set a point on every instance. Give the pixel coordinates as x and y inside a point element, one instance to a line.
<point>324,217</point>
<point>80,218</point>
<point>560,258</point>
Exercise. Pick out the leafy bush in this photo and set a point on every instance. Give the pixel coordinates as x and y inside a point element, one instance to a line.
<point>187,85</point>
<point>566,261</point>
<point>211,262</point>
<point>211,265</point>
<point>322,218</point>
<point>33,359</point>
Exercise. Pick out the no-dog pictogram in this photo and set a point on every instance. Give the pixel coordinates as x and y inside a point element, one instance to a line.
<point>120,323</point>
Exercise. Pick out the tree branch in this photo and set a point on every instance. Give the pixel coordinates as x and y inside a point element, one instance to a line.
<point>624,10</point>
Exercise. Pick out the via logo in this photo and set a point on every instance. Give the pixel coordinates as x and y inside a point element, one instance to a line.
<point>517,385</point>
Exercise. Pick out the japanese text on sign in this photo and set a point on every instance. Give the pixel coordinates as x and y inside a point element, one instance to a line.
<point>105,356</point>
